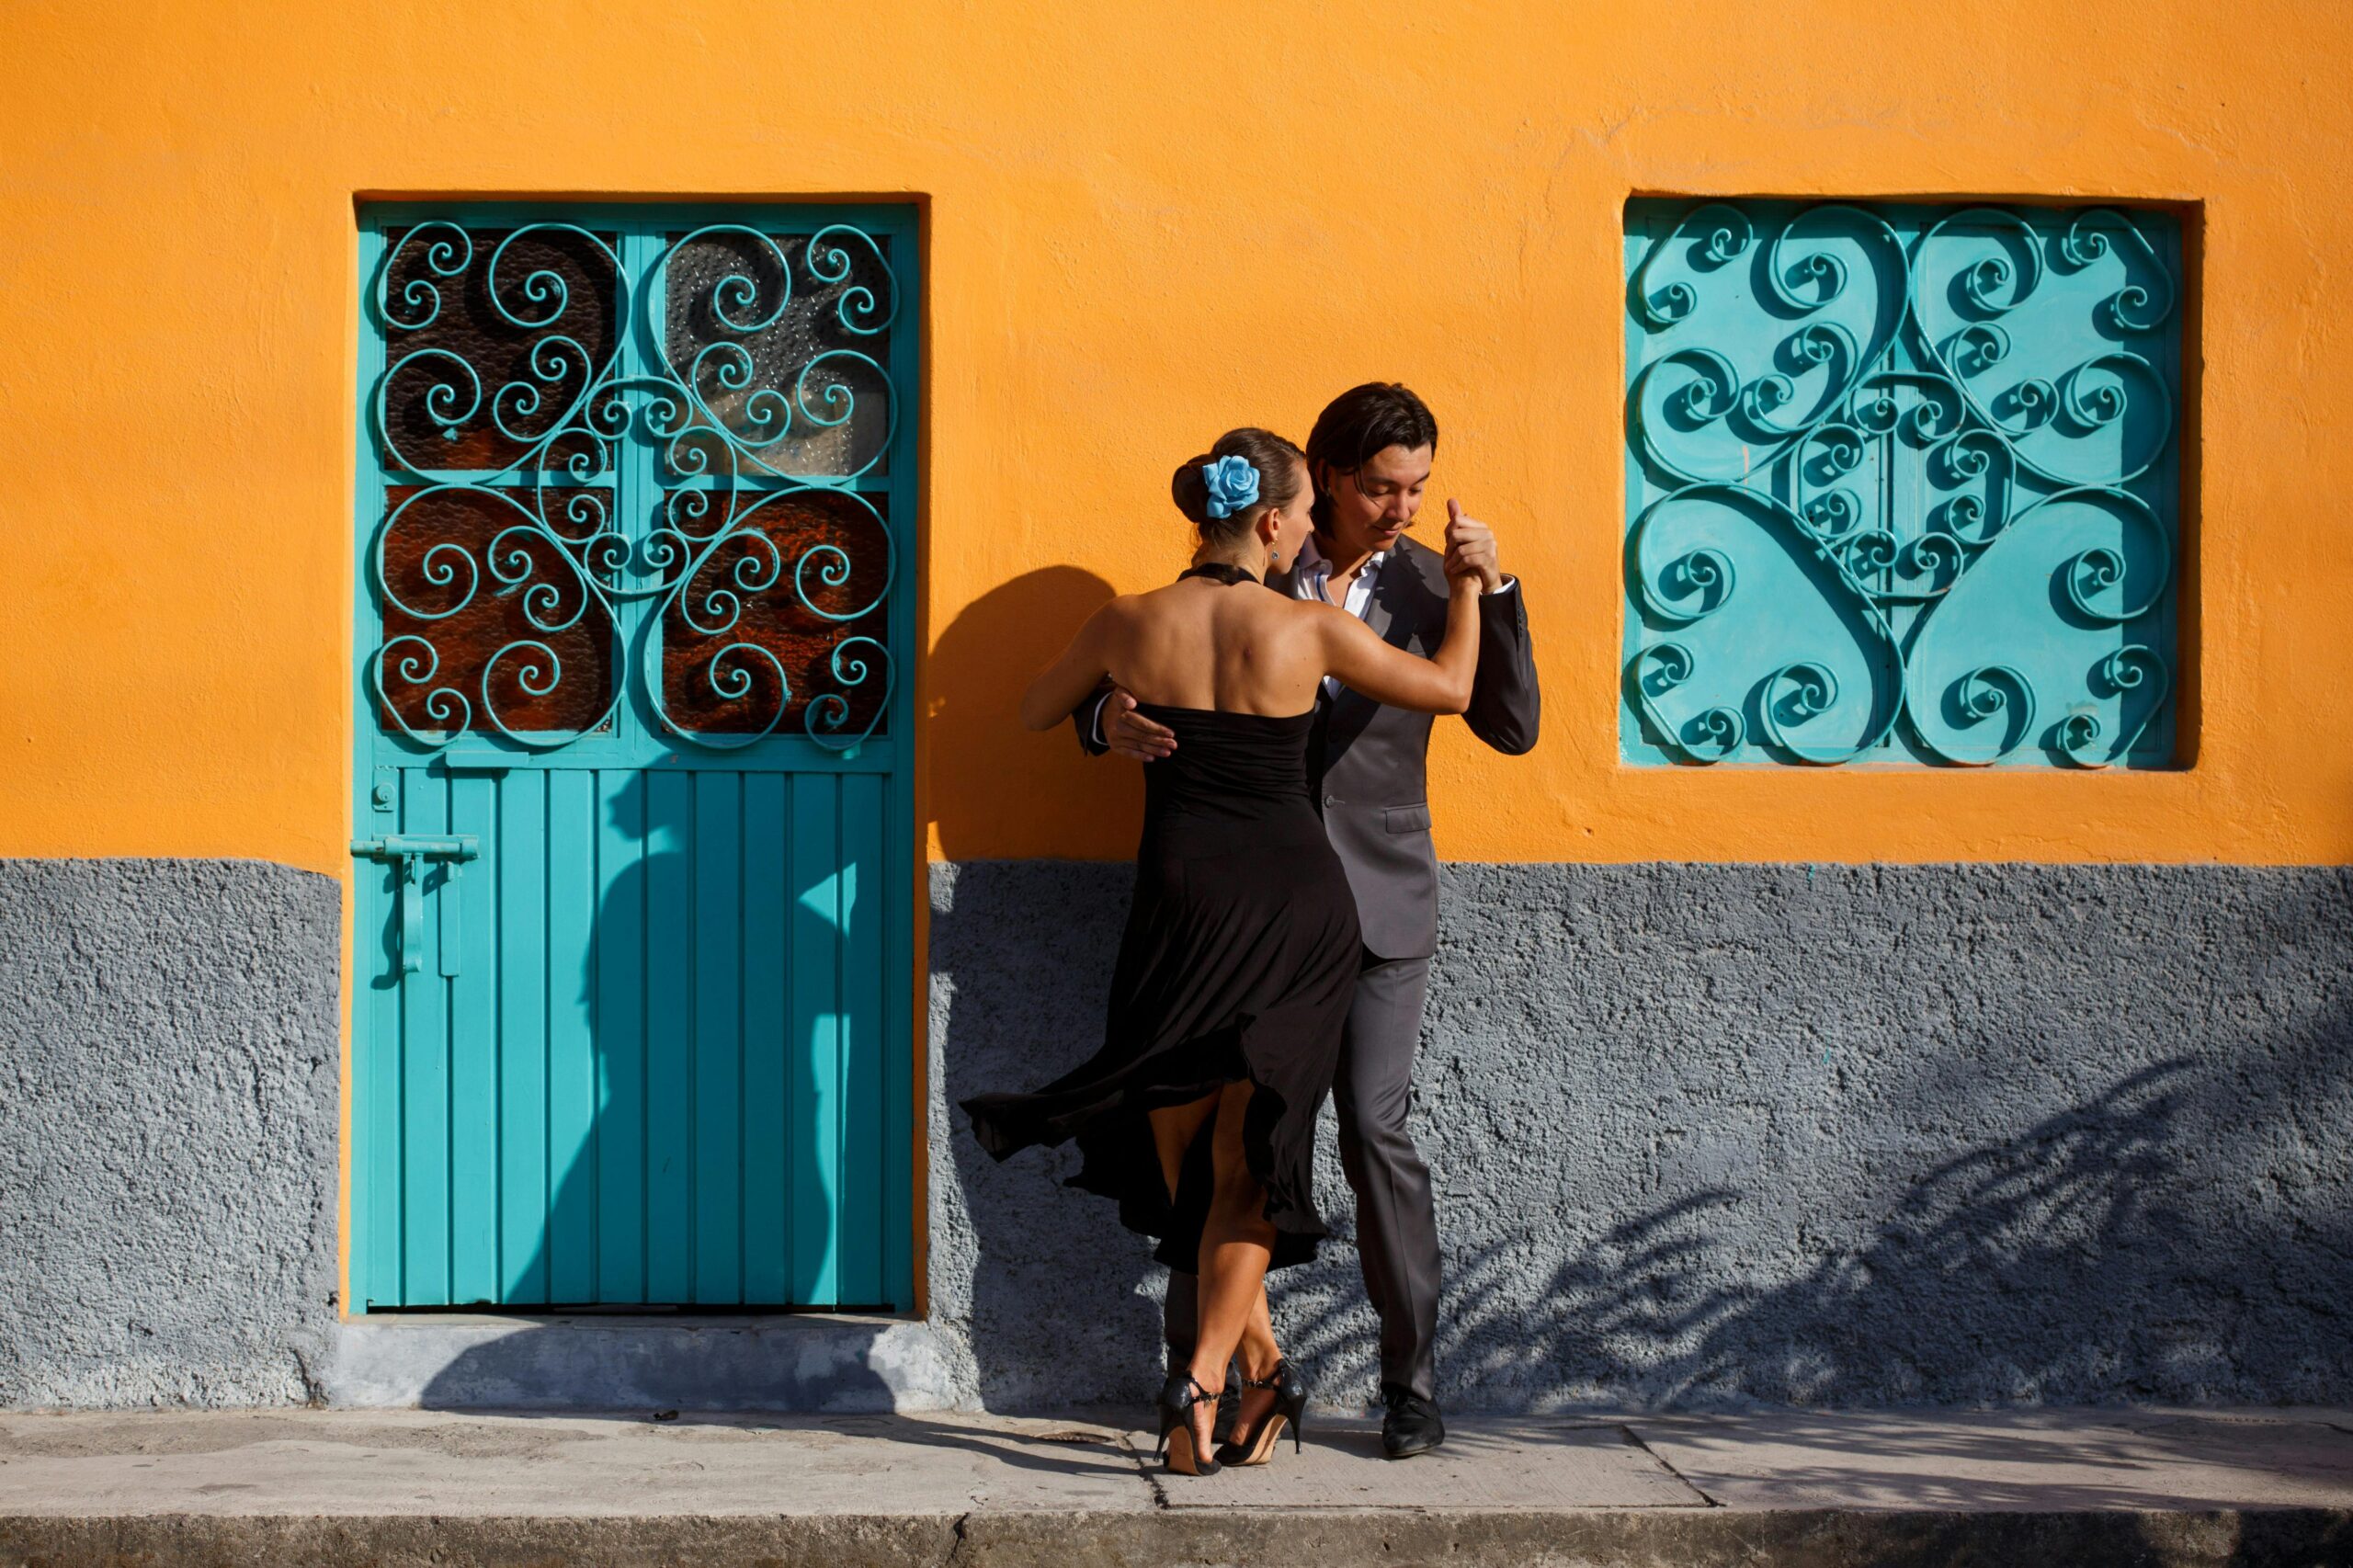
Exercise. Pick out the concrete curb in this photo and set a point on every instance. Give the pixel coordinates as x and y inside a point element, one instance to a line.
<point>2293,1538</point>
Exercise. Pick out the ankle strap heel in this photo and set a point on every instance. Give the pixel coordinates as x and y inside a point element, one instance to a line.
<point>1177,1397</point>
<point>1289,1411</point>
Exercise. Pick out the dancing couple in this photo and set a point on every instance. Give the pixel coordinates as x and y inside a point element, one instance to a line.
<point>1286,897</point>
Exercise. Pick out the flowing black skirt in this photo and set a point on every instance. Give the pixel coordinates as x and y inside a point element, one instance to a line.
<point>1239,961</point>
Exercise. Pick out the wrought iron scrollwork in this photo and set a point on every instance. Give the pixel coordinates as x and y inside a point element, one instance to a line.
<point>503,416</point>
<point>1899,485</point>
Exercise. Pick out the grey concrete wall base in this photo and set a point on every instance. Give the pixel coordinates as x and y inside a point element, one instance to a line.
<point>169,1039</point>
<point>811,1363</point>
<point>1709,1135</point>
<point>1702,1135</point>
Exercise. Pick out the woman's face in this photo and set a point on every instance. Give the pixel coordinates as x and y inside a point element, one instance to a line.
<point>1290,522</point>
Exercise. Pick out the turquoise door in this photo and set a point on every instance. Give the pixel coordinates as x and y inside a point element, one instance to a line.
<point>635,580</point>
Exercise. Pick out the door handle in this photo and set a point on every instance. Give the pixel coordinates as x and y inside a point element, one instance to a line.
<point>407,853</point>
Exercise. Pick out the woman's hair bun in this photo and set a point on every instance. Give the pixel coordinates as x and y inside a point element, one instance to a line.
<point>1189,487</point>
<point>1276,460</point>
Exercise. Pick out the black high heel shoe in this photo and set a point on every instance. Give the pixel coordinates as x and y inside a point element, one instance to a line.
<point>1290,1410</point>
<point>1177,1397</point>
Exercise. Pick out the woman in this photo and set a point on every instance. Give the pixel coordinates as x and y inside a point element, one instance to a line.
<point>1240,956</point>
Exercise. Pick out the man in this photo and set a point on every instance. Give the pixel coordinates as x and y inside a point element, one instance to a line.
<point>1369,458</point>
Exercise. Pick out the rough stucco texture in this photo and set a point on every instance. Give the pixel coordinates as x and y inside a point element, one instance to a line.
<point>1702,1135</point>
<point>1731,1135</point>
<point>168,1046</point>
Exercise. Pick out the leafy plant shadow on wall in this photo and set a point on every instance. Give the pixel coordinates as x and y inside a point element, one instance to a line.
<point>2168,1222</point>
<point>1650,1304</point>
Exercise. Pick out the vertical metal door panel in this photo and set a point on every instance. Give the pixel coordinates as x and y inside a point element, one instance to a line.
<point>644,1035</point>
<point>669,1037</point>
<point>897,916</point>
<point>814,1036</point>
<point>767,1104</point>
<point>718,1053</point>
<point>376,1116</point>
<point>620,1036</point>
<point>424,1094</point>
<point>571,1272</point>
<point>522,975</point>
<point>473,1047</point>
<point>860,1016</point>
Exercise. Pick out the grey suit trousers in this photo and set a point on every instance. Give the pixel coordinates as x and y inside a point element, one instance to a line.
<point>1396,1224</point>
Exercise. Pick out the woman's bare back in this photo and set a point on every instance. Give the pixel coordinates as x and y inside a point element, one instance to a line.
<point>1236,648</point>
<point>1233,647</point>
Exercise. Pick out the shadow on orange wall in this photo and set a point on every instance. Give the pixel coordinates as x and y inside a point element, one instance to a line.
<point>998,790</point>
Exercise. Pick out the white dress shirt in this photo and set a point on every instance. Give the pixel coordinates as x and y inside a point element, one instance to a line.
<point>1311,578</point>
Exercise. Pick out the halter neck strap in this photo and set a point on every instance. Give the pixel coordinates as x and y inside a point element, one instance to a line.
<point>1224,572</point>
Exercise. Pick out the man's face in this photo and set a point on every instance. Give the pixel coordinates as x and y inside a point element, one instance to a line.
<point>1376,504</point>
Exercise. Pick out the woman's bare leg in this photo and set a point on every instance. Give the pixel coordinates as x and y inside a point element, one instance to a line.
<point>1236,1246</point>
<point>1174,1128</point>
<point>1259,1359</point>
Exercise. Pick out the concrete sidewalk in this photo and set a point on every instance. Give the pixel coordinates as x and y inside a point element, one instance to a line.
<point>402,1487</point>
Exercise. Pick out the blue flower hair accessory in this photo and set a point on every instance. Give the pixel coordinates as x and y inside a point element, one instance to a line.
<point>1233,484</point>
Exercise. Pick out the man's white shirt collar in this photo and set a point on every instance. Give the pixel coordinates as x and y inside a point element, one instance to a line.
<point>1312,568</point>
<point>1311,559</point>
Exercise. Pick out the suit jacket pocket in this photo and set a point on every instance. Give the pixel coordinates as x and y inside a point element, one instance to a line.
<point>1407,819</point>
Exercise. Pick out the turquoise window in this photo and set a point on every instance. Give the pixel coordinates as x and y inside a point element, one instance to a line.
<point>1902,485</point>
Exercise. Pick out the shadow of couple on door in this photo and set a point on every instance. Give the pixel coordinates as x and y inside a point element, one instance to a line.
<point>703,1157</point>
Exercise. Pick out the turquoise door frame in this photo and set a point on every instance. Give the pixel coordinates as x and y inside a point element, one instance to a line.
<point>633,986</point>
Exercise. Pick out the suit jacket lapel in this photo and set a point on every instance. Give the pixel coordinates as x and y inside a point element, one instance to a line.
<point>1346,716</point>
<point>1377,612</point>
<point>1394,580</point>
<point>1352,711</point>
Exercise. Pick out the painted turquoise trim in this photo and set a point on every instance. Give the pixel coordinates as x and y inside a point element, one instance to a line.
<point>520,1141</point>
<point>1902,485</point>
<point>778,754</point>
<point>904,872</point>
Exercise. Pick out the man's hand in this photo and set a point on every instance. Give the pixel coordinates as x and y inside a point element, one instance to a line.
<point>1129,733</point>
<point>1470,547</point>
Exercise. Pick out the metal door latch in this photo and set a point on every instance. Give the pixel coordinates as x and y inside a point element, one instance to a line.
<point>406,853</point>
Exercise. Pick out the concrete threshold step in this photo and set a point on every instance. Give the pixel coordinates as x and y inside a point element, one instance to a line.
<point>394,1488</point>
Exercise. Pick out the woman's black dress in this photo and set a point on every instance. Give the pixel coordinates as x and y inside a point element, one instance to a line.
<point>1239,960</point>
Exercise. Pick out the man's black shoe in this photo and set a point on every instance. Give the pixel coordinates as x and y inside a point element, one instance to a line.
<point>1412,1426</point>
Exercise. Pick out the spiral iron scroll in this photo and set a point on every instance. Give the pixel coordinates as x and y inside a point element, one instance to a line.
<point>1959,441</point>
<point>554,426</point>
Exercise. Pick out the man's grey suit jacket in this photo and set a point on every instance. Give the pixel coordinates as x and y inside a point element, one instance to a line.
<point>1369,762</point>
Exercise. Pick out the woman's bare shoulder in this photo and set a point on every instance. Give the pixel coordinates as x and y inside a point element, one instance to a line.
<point>1311,614</point>
<point>1128,606</point>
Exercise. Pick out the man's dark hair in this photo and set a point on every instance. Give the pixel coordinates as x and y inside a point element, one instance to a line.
<point>1359,424</point>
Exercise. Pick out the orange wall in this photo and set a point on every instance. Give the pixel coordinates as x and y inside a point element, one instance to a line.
<point>1147,222</point>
